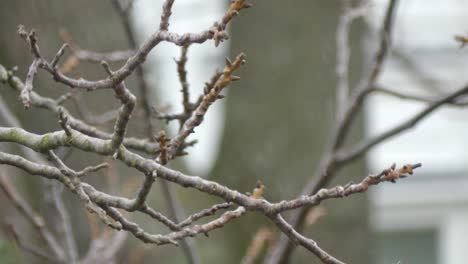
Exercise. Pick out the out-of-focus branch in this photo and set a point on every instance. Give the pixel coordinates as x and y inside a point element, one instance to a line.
<point>36,220</point>
<point>367,84</point>
<point>93,56</point>
<point>423,99</point>
<point>305,242</point>
<point>30,248</point>
<point>140,163</point>
<point>92,118</point>
<point>165,15</point>
<point>262,236</point>
<point>66,227</point>
<point>362,147</point>
<point>104,248</point>
<point>203,213</point>
<point>392,174</point>
<point>428,81</point>
<point>328,166</point>
<point>342,47</point>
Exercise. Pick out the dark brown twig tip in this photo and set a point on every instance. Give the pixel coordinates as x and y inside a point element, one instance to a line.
<point>463,40</point>
<point>258,191</point>
<point>163,155</point>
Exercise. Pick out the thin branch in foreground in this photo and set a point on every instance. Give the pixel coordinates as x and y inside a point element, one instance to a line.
<point>307,243</point>
<point>51,104</point>
<point>182,71</point>
<point>128,101</point>
<point>270,210</point>
<point>136,230</point>
<point>218,29</point>
<point>391,174</point>
<point>77,187</point>
<point>224,80</point>
<point>203,213</point>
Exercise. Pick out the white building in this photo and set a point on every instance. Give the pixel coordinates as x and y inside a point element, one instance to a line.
<point>423,219</point>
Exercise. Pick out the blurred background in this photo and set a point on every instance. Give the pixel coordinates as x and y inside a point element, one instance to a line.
<point>272,126</point>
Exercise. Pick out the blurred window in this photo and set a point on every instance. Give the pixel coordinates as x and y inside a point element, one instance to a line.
<point>425,61</point>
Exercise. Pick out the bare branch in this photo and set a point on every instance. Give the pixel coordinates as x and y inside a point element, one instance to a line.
<point>166,14</point>
<point>216,33</point>
<point>307,243</point>
<point>137,231</point>
<point>417,98</point>
<point>342,47</point>
<point>364,146</point>
<point>25,95</point>
<point>224,80</point>
<point>92,56</point>
<point>203,213</point>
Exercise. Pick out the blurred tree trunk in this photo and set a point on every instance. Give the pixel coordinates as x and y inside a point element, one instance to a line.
<point>279,117</point>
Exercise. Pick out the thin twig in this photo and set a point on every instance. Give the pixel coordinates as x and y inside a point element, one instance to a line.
<point>417,98</point>
<point>224,80</point>
<point>360,148</point>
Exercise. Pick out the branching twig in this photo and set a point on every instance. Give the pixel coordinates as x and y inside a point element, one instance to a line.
<point>224,80</point>
<point>76,134</point>
<point>328,164</point>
